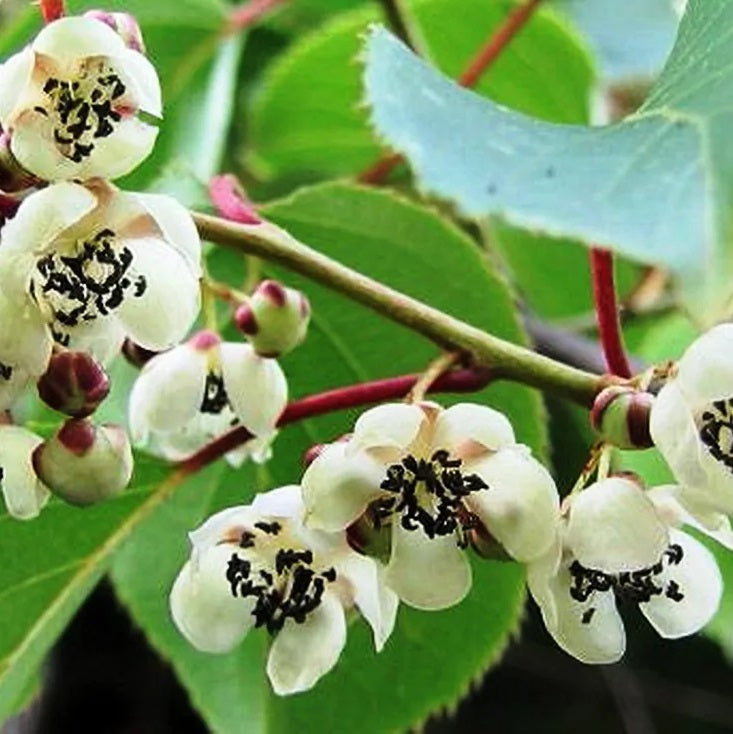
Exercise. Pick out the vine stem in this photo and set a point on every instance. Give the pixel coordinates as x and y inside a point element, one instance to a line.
<point>352,396</point>
<point>505,359</point>
<point>477,65</point>
<point>604,300</point>
<point>51,10</point>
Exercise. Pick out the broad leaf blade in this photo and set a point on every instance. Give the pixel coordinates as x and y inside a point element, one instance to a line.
<point>655,187</point>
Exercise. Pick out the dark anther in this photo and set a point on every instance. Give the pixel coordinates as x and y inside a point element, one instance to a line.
<point>673,591</point>
<point>716,420</point>
<point>587,615</point>
<point>271,528</point>
<point>6,371</point>
<point>215,395</point>
<point>247,539</point>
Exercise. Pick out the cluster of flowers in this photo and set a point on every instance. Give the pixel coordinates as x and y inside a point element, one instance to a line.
<point>381,516</point>
<point>385,515</point>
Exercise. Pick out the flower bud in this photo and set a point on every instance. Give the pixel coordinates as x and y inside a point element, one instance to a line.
<point>124,25</point>
<point>275,320</point>
<point>621,416</point>
<point>74,384</point>
<point>136,355</point>
<point>83,463</point>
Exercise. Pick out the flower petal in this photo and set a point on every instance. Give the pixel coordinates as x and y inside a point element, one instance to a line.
<point>203,607</point>
<point>302,653</point>
<point>466,423</point>
<point>175,224</point>
<point>15,75</point>
<point>691,590</point>
<point>281,502</point>
<point>338,486</point>
<point>168,392</point>
<point>427,573</point>
<point>255,385</point>
<point>393,424</point>
<point>25,495</point>
<point>614,527</point>
<point>160,316</point>
<point>375,600</point>
<point>705,371</point>
<point>68,39</point>
<point>521,506</point>
<point>102,338</point>
<point>11,387</point>
<point>591,631</point>
<point>224,526</point>
<point>27,345</point>
<point>141,80</point>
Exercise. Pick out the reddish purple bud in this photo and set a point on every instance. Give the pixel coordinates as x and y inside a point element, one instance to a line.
<point>621,416</point>
<point>204,340</point>
<point>313,453</point>
<point>84,463</point>
<point>273,292</point>
<point>74,383</point>
<point>229,200</point>
<point>123,24</point>
<point>136,355</point>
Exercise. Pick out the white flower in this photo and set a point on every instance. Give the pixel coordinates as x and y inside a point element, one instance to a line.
<point>432,474</point>
<point>257,566</point>
<point>614,546</point>
<point>197,391</point>
<point>24,494</point>
<point>691,421</point>
<point>70,102</point>
<point>86,265</point>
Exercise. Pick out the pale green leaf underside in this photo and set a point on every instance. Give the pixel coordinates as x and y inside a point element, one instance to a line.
<point>655,187</point>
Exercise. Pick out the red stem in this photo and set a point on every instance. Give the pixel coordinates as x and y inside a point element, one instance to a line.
<point>604,300</point>
<point>352,396</point>
<point>51,10</point>
<point>247,13</point>
<point>486,55</point>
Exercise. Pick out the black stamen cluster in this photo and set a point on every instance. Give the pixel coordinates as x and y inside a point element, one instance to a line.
<point>715,419</point>
<point>292,592</point>
<point>442,478</point>
<point>6,371</point>
<point>82,115</point>
<point>633,587</point>
<point>91,284</point>
<point>215,394</point>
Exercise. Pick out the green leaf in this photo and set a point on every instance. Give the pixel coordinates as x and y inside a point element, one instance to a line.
<point>427,663</point>
<point>655,187</point>
<point>50,564</point>
<point>299,126</point>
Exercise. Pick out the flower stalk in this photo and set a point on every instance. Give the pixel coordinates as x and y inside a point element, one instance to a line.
<point>505,359</point>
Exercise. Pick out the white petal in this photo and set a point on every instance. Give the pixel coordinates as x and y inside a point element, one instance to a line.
<point>168,392</point>
<point>521,506</point>
<point>705,372</point>
<point>460,425</point>
<point>394,425</point>
<point>72,38</point>
<point>427,573</point>
<point>12,387</point>
<point>256,387</point>
<point>176,225</point>
<point>225,525</point>
<point>102,338</point>
<point>302,653</point>
<point>677,506</point>
<point>163,314</point>
<point>25,342</point>
<point>698,581</point>
<point>375,600</point>
<point>15,75</point>
<point>203,607</point>
<point>25,495</point>
<point>141,80</point>
<point>599,639</point>
<point>43,216</point>
<point>338,486</point>
<point>281,502</point>
<point>614,527</point>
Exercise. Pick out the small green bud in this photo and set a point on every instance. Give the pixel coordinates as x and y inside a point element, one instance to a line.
<point>83,463</point>
<point>621,416</point>
<point>275,320</point>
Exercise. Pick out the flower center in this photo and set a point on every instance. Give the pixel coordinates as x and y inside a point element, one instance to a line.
<point>82,111</point>
<point>428,495</point>
<point>716,431</point>
<point>215,394</point>
<point>630,586</point>
<point>289,589</point>
<point>79,288</point>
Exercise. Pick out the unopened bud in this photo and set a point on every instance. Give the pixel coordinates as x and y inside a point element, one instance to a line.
<point>124,25</point>
<point>74,383</point>
<point>83,463</point>
<point>621,416</point>
<point>275,320</point>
